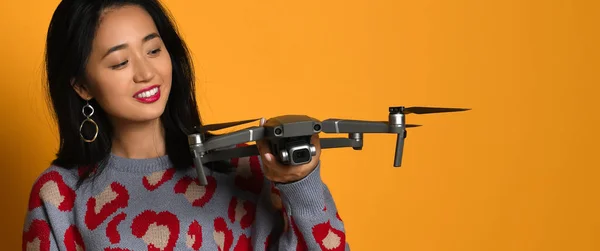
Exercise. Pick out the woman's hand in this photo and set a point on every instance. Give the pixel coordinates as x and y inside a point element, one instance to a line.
<point>278,172</point>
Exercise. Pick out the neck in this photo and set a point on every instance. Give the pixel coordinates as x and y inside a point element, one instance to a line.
<point>138,140</point>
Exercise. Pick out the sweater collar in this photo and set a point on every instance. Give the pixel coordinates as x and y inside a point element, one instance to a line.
<point>138,165</point>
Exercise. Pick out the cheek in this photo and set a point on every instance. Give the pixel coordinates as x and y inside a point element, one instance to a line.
<point>112,86</point>
<point>165,69</point>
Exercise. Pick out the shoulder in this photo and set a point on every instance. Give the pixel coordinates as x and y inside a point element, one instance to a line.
<point>58,174</point>
<point>54,185</point>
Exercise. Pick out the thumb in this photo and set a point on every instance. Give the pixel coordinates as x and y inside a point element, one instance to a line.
<point>260,142</point>
<point>262,121</point>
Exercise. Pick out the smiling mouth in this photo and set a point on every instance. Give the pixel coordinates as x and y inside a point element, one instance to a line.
<point>148,96</point>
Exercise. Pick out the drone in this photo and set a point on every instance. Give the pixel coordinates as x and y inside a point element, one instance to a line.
<point>289,136</point>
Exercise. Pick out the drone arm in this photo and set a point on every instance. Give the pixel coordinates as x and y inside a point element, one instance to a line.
<point>237,152</point>
<point>251,150</point>
<point>234,138</point>
<point>335,143</point>
<point>354,126</point>
<point>355,142</point>
<point>199,148</point>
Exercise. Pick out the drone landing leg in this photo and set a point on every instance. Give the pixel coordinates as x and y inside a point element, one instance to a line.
<point>399,149</point>
<point>200,171</point>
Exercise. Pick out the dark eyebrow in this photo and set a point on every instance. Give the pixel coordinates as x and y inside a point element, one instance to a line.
<point>123,46</point>
<point>150,36</point>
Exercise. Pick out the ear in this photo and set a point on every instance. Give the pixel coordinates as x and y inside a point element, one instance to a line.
<point>81,90</point>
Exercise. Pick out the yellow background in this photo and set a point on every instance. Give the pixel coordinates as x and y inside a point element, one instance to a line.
<point>518,172</point>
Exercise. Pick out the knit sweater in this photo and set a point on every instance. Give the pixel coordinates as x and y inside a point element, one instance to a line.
<point>146,204</point>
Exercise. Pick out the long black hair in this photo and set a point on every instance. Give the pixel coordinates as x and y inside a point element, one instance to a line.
<point>68,46</point>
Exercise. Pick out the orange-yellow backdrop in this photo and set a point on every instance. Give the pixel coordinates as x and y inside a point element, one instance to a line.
<point>518,172</point>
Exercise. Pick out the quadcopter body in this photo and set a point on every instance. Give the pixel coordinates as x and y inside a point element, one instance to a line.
<point>289,137</point>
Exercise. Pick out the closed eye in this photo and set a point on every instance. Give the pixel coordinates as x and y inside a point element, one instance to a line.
<point>120,65</point>
<point>153,52</point>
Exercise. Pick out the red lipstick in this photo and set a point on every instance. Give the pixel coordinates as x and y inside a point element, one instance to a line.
<point>148,95</point>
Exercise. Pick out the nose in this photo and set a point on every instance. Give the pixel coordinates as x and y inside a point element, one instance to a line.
<point>144,72</point>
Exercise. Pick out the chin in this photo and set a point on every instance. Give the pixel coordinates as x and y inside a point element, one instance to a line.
<point>145,115</point>
<point>151,115</point>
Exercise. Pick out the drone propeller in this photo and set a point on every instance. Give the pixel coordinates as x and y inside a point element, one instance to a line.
<point>426,110</point>
<point>219,126</point>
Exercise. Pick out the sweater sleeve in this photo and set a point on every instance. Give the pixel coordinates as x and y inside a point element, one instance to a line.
<point>37,232</point>
<point>311,219</point>
<point>47,221</point>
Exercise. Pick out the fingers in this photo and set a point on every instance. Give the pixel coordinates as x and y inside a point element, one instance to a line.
<point>316,140</point>
<point>268,158</point>
<point>262,121</point>
<point>260,143</point>
<point>262,146</point>
<point>264,151</point>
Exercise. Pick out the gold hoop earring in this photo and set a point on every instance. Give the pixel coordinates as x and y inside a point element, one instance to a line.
<point>88,119</point>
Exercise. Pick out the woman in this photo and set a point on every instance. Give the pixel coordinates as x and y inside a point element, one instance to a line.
<point>122,88</point>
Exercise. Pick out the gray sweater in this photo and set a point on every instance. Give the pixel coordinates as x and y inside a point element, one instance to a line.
<point>145,204</point>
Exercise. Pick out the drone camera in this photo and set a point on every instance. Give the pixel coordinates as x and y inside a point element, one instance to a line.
<point>295,151</point>
<point>300,155</point>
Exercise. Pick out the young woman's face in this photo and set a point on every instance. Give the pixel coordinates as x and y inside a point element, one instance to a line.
<point>129,68</point>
